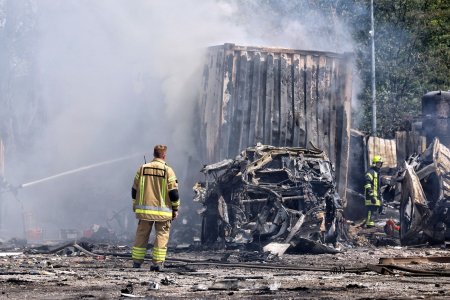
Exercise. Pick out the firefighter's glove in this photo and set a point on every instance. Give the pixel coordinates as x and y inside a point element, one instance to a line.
<point>174,214</point>
<point>373,200</point>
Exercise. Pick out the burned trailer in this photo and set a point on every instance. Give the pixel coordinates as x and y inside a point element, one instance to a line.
<point>269,194</point>
<point>275,96</point>
<point>425,197</point>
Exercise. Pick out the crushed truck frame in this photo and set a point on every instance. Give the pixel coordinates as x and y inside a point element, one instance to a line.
<point>269,194</point>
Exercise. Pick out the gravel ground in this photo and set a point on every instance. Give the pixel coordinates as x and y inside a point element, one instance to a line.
<point>78,276</point>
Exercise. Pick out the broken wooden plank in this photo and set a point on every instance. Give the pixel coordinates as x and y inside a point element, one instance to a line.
<point>383,270</point>
<point>422,173</point>
<point>414,260</point>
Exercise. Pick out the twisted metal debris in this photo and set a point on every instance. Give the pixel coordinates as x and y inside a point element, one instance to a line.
<point>424,187</point>
<point>270,194</point>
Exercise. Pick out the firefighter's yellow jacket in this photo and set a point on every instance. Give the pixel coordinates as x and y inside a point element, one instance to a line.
<point>155,191</point>
<point>372,187</point>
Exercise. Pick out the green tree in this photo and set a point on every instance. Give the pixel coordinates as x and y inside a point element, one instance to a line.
<point>412,57</point>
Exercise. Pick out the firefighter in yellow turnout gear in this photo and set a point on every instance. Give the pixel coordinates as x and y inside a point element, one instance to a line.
<point>156,203</point>
<point>372,190</point>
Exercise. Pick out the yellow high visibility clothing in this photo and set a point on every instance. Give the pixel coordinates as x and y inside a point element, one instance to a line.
<point>159,252</point>
<point>372,188</point>
<point>153,182</point>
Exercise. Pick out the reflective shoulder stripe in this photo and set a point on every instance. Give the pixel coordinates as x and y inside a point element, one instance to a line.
<point>164,186</point>
<point>369,175</point>
<point>141,189</point>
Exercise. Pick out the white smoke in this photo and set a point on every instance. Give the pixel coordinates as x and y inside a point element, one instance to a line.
<point>116,77</point>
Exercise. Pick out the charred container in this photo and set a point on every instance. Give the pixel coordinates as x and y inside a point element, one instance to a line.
<point>436,116</point>
<point>279,97</point>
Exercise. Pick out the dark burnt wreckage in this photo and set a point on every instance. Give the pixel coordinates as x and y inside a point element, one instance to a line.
<point>283,101</point>
<point>270,194</point>
<point>275,96</point>
<point>420,187</point>
<point>424,187</point>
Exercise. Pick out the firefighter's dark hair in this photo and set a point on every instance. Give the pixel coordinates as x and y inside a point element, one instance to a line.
<point>159,151</point>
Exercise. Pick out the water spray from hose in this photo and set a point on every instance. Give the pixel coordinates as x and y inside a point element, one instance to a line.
<point>108,162</point>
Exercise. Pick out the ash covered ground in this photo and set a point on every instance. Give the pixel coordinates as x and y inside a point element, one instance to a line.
<point>71,273</point>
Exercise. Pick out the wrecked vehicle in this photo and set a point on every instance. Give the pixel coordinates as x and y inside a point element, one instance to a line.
<point>270,194</point>
<point>424,184</point>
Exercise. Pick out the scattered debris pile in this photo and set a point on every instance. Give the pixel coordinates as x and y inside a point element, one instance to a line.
<point>271,195</point>
<point>424,186</point>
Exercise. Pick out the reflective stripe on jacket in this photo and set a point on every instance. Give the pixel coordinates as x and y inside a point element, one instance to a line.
<point>372,187</point>
<point>152,183</point>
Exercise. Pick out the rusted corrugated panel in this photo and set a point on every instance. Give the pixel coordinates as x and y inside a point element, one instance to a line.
<point>386,148</point>
<point>281,97</point>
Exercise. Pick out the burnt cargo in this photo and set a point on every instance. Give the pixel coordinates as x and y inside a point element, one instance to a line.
<point>279,97</point>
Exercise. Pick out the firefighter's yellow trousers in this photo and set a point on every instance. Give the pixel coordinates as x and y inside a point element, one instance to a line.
<point>159,246</point>
<point>371,211</point>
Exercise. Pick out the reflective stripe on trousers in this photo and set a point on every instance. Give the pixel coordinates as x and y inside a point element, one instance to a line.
<point>371,210</point>
<point>159,254</point>
<point>144,228</point>
<point>138,253</point>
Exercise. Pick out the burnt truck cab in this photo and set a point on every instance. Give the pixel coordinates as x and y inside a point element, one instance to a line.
<point>269,194</point>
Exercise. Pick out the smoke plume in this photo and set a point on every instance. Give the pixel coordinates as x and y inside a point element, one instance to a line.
<point>105,79</point>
